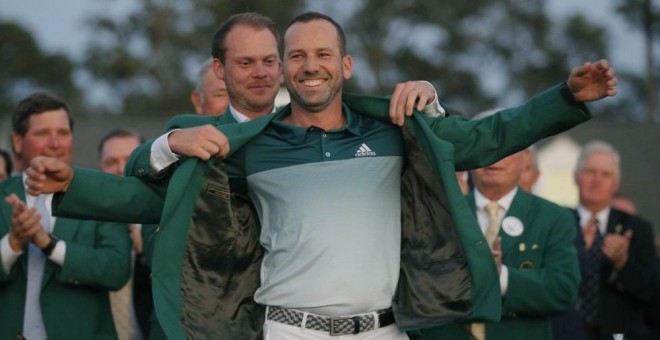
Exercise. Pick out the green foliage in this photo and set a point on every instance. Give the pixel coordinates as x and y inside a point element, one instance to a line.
<point>26,69</point>
<point>478,53</point>
<point>149,59</point>
<point>644,16</point>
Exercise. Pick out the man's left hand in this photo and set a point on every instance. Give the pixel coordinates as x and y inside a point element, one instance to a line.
<point>592,81</point>
<point>615,248</point>
<point>409,96</point>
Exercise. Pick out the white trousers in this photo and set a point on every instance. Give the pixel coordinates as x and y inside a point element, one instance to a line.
<point>278,331</point>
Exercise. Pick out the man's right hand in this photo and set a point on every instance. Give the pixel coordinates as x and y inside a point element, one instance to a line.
<point>25,223</point>
<point>47,175</point>
<point>202,142</point>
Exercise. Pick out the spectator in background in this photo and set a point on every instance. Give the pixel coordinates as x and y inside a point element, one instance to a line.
<point>531,172</point>
<point>210,96</point>
<point>652,310</point>
<point>6,167</point>
<point>56,272</point>
<point>532,241</point>
<point>132,305</point>
<point>617,251</point>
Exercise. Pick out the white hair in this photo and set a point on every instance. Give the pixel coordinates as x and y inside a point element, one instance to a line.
<point>202,73</point>
<point>599,146</point>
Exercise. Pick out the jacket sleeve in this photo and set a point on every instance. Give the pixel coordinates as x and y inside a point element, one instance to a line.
<point>97,195</point>
<point>478,143</point>
<point>553,286</point>
<point>104,261</point>
<point>139,165</point>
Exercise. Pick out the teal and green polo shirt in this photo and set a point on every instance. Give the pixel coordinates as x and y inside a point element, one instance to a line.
<point>329,204</point>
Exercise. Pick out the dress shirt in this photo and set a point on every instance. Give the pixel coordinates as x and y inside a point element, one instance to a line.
<point>601,216</point>
<point>484,221</point>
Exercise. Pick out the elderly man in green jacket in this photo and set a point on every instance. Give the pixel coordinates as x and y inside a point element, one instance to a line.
<point>228,230</point>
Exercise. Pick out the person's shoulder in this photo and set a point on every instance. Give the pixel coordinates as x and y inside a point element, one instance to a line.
<point>546,205</point>
<point>191,120</point>
<point>634,221</point>
<point>11,184</point>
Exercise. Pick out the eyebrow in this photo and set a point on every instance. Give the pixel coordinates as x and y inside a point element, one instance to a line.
<point>302,50</point>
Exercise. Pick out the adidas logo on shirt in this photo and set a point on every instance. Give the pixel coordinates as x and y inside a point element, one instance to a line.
<point>364,151</point>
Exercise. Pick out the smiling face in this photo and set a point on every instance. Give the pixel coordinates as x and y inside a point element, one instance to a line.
<point>498,179</point>
<point>251,70</point>
<point>48,134</point>
<point>314,68</point>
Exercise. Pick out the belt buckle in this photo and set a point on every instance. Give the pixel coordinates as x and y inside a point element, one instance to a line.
<point>335,332</point>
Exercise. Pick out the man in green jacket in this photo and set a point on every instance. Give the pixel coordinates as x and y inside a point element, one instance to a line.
<point>56,272</point>
<point>532,240</point>
<point>446,272</point>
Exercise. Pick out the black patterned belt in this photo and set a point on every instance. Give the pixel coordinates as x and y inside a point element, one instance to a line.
<point>341,325</point>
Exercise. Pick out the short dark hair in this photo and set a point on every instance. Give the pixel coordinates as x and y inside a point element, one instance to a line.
<point>9,167</point>
<point>250,19</point>
<point>118,133</point>
<point>36,103</point>
<point>310,16</point>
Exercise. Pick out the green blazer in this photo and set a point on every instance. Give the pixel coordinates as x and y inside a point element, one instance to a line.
<point>74,297</point>
<point>447,273</point>
<point>544,272</point>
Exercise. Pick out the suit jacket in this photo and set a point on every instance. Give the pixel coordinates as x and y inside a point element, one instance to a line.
<point>447,272</point>
<point>74,297</point>
<point>623,293</point>
<point>544,274</point>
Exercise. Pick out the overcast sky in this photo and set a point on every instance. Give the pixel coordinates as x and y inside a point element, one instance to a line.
<point>59,24</point>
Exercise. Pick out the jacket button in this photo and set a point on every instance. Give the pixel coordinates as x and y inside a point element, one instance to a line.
<point>141,171</point>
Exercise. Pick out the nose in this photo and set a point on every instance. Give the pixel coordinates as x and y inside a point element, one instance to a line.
<point>310,65</point>
<point>54,140</point>
<point>260,71</point>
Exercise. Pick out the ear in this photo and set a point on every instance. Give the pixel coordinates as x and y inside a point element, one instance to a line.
<point>218,68</point>
<point>17,143</point>
<point>347,63</point>
<point>196,101</point>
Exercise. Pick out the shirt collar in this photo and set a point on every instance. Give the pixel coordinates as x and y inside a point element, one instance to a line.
<point>297,134</point>
<point>602,217</point>
<point>241,118</point>
<point>504,202</point>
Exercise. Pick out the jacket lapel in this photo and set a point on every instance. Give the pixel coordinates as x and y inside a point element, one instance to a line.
<point>516,210</point>
<point>615,223</point>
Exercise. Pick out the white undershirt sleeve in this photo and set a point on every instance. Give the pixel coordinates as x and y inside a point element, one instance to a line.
<point>161,154</point>
<point>9,256</point>
<point>504,279</point>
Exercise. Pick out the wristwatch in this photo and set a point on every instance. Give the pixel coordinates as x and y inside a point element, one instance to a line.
<point>48,249</point>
